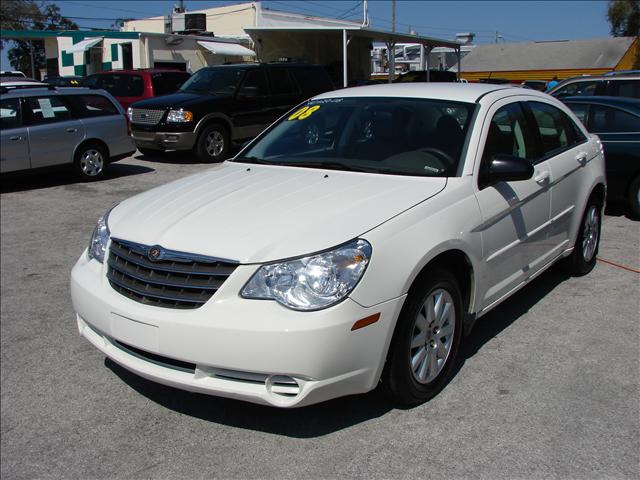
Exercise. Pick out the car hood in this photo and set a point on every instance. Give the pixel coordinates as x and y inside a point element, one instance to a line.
<point>173,100</point>
<point>260,213</point>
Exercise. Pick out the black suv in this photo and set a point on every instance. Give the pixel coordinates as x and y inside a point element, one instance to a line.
<point>221,104</point>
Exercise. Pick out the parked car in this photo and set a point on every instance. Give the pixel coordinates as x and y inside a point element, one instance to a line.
<point>129,86</point>
<point>12,73</point>
<point>616,120</point>
<point>8,83</point>
<point>46,127</point>
<point>352,244</point>
<point>222,104</point>
<point>601,85</point>
<point>539,85</point>
<point>421,76</point>
<point>68,81</point>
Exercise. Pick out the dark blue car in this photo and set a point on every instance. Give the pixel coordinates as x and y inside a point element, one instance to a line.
<point>616,120</point>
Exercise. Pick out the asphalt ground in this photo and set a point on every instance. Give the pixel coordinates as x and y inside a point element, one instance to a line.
<point>548,387</point>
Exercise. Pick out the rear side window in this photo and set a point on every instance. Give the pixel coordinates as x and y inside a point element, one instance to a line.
<point>606,119</point>
<point>578,88</point>
<point>45,110</point>
<point>625,88</point>
<point>554,127</point>
<point>10,113</point>
<point>255,83</point>
<point>280,81</point>
<point>580,110</point>
<point>166,83</point>
<point>87,106</point>
<point>312,80</point>
<point>119,85</point>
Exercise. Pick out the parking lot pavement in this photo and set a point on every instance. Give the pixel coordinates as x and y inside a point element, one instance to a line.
<point>548,387</point>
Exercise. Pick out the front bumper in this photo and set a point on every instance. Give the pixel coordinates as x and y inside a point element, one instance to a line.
<point>164,140</point>
<point>251,350</point>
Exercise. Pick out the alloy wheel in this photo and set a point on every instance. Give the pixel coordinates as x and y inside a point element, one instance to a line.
<point>91,163</point>
<point>590,233</point>
<point>214,144</point>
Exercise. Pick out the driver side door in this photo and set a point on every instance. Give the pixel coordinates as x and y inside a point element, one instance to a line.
<point>515,214</point>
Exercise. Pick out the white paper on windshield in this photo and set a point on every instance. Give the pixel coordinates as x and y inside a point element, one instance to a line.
<point>46,108</point>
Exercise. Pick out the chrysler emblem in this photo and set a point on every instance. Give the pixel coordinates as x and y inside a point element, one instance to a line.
<point>154,253</point>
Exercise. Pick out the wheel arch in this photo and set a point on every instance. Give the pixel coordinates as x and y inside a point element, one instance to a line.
<point>213,118</point>
<point>92,141</point>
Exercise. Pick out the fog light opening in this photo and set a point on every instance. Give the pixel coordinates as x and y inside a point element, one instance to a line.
<point>282,385</point>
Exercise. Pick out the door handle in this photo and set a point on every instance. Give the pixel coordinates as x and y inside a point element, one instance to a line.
<point>16,138</point>
<point>581,158</point>
<point>542,177</point>
<point>72,130</point>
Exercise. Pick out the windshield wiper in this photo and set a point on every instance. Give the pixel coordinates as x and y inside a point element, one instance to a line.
<point>331,165</point>
<point>254,160</point>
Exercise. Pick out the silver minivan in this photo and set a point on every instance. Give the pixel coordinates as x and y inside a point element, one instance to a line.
<point>46,127</point>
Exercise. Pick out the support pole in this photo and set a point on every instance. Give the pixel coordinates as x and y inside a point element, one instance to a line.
<point>421,56</point>
<point>428,64</point>
<point>459,58</point>
<point>33,62</point>
<point>391,60</point>
<point>345,80</point>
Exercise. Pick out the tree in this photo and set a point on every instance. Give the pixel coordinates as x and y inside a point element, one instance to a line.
<point>624,17</point>
<point>29,15</point>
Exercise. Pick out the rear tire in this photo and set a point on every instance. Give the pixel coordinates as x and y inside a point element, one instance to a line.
<point>426,341</point>
<point>90,162</point>
<point>633,197</point>
<point>213,143</point>
<point>583,258</point>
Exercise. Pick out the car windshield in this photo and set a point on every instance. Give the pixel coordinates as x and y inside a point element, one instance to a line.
<point>218,81</point>
<point>398,136</point>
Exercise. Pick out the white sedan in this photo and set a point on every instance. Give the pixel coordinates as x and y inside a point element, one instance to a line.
<point>352,245</point>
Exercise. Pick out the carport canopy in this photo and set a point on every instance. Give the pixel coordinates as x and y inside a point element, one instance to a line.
<point>383,36</point>
<point>229,49</point>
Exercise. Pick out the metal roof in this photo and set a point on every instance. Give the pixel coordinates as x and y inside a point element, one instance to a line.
<point>553,55</point>
<point>378,35</point>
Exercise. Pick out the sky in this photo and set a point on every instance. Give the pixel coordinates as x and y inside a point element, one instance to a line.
<point>514,21</point>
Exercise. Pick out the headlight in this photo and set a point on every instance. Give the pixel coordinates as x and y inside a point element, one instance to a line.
<point>313,282</point>
<point>179,116</point>
<point>130,114</point>
<point>100,238</point>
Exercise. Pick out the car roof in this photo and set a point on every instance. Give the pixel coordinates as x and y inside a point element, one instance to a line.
<point>48,90</point>
<point>623,102</point>
<point>141,71</point>
<point>462,92</point>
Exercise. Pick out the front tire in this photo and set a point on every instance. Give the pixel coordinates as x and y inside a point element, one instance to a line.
<point>426,341</point>
<point>585,251</point>
<point>213,143</point>
<point>90,163</point>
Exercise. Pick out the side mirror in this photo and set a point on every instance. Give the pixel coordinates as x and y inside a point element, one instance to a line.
<point>506,168</point>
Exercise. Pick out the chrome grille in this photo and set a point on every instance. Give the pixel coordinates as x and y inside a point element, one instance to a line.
<point>173,280</point>
<point>145,116</point>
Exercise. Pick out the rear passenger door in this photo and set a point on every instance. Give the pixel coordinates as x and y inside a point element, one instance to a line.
<point>102,120</point>
<point>53,131</point>
<point>284,91</point>
<point>14,151</point>
<point>567,150</point>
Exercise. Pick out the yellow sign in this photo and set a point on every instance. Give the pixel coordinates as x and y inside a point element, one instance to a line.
<point>304,112</point>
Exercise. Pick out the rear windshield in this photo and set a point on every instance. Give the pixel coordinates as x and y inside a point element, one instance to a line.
<point>118,85</point>
<point>168,82</point>
<point>401,136</point>
<point>217,81</point>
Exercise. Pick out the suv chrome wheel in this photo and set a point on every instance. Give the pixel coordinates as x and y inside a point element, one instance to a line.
<point>432,336</point>
<point>214,143</point>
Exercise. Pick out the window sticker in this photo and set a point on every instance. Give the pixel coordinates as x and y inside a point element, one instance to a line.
<point>304,112</point>
<point>46,108</point>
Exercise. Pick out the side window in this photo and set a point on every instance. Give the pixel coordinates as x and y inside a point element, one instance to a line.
<point>625,88</point>
<point>578,88</point>
<point>86,106</point>
<point>10,113</point>
<point>554,127</point>
<point>166,83</point>
<point>47,110</point>
<point>91,81</point>
<point>507,135</point>
<point>122,85</point>
<point>581,110</point>
<point>280,82</point>
<point>255,84</point>
<point>606,119</point>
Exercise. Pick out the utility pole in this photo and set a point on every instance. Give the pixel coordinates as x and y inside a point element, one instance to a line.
<point>365,20</point>
<point>393,15</point>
